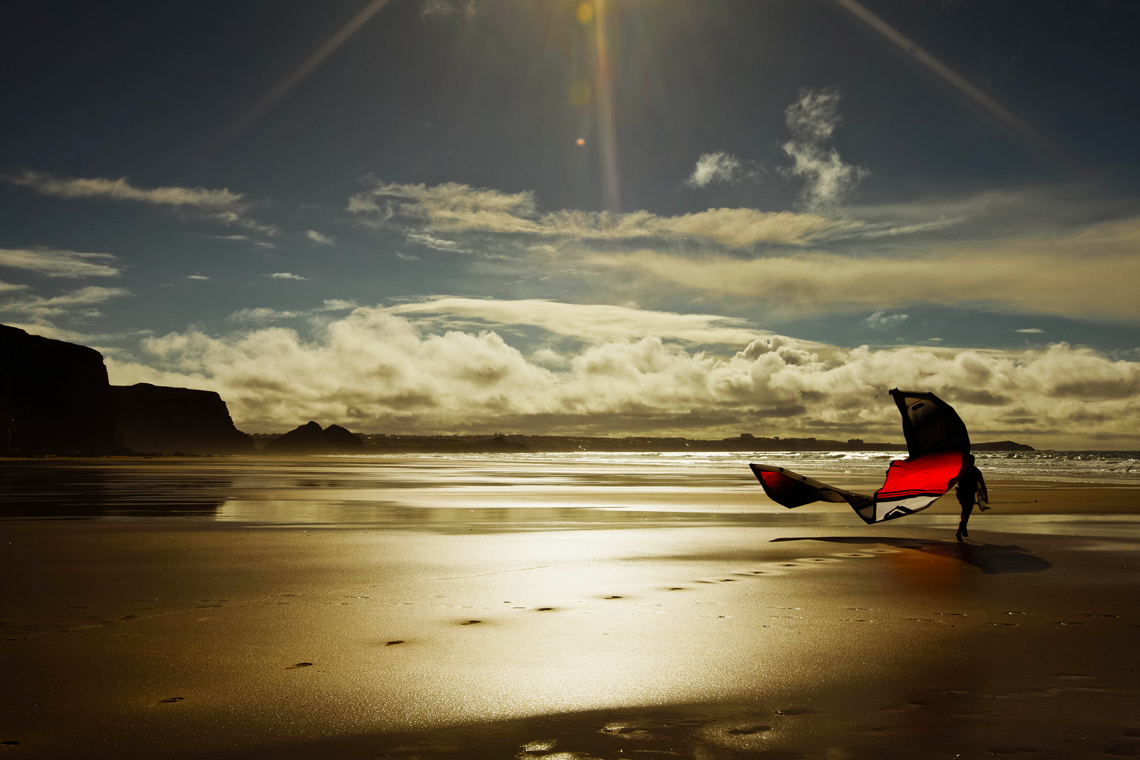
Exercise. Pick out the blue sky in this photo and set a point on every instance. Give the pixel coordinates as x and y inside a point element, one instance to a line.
<point>699,218</point>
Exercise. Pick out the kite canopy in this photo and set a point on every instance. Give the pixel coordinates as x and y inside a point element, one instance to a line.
<point>938,446</point>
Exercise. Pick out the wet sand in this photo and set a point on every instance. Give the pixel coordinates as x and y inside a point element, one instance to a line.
<point>598,623</point>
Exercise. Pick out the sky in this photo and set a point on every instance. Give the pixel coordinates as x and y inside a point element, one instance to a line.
<point>630,217</point>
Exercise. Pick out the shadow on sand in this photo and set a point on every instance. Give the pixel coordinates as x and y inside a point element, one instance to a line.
<point>990,558</point>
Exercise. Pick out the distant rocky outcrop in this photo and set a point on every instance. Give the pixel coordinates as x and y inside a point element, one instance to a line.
<point>54,397</point>
<point>153,419</point>
<point>311,439</point>
<point>1001,446</point>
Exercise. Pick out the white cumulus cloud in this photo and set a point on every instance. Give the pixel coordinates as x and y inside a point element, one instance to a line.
<point>812,121</point>
<point>715,167</point>
<point>880,320</point>
<point>375,370</point>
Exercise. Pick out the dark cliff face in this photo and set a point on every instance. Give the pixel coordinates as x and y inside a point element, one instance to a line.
<point>310,439</point>
<point>54,397</point>
<point>154,419</point>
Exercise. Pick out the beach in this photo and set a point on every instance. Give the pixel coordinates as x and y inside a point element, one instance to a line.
<point>423,608</point>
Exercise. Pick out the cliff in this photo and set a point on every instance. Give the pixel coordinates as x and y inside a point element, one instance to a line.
<point>54,397</point>
<point>310,439</point>
<point>154,419</point>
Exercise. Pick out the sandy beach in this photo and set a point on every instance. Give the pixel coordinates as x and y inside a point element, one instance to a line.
<point>215,608</point>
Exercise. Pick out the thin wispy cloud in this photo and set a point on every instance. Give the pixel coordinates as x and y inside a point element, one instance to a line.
<point>812,121</point>
<point>197,277</point>
<point>49,262</point>
<point>1033,330</point>
<point>220,206</point>
<point>77,303</point>
<point>592,323</point>
<point>880,320</point>
<point>438,244</point>
<point>1023,276</point>
<point>263,315</point>
<point>320,239</point>
<point>425,212</point>
<point>266,315</point>
<point>285,276</point>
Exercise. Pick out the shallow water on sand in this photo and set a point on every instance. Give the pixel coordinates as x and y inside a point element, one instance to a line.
<point>505,606</point>
<point>484,493</point>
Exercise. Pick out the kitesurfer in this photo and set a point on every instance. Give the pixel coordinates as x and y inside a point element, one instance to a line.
<point>971,487</point>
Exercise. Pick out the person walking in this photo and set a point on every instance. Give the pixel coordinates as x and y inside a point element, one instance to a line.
<point>971,486</point>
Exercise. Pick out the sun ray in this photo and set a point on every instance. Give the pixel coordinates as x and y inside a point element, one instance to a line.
<point>997,111</point>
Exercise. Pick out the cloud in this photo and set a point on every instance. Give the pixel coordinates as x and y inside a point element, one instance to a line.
<point>196,277</point>
<point>375,370</point>
<point>715,167</point>
<point>424,212</point>
<point>263,315</point>
<point>880,320</point>
<point>338,304</point>
<point>77,303</point>
<point>427,241</point>
<point>406,256</point>
<point>812,121</point>
<point>8,287</point>
<point>320,239</point>
<point>191,202</point>
<point>285,276</point>
<point>1030,330</point>
<point>1075,275</point>
<point>52,263</point>
<point>590,323</point>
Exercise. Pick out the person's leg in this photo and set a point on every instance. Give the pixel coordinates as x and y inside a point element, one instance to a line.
<point>967,508</point>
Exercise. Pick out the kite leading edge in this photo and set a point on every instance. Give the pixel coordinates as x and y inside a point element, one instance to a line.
<point>938,447</point>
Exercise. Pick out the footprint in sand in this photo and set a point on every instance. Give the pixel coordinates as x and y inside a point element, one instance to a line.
<point>749,731</point>
<point>544,609</point>
<point>300,665</point>
<point>1012,750</point>
<point>903,707</point>
<point>471,622</point>
<point>394,643</point>
<point>624,731</point>
<point>172,699</point>
<point>1122,750</point>
<point>614,597</point>
<point>10,743</point>
<point>539,746</point>
<point>1133,733</point>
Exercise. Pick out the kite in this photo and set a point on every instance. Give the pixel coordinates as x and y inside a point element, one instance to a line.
<point>938,447</point>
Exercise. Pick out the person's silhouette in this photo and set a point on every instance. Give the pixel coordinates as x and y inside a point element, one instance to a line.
<point>971,487</point>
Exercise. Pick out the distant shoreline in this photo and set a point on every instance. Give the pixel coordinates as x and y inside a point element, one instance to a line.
<point>507,444</point>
